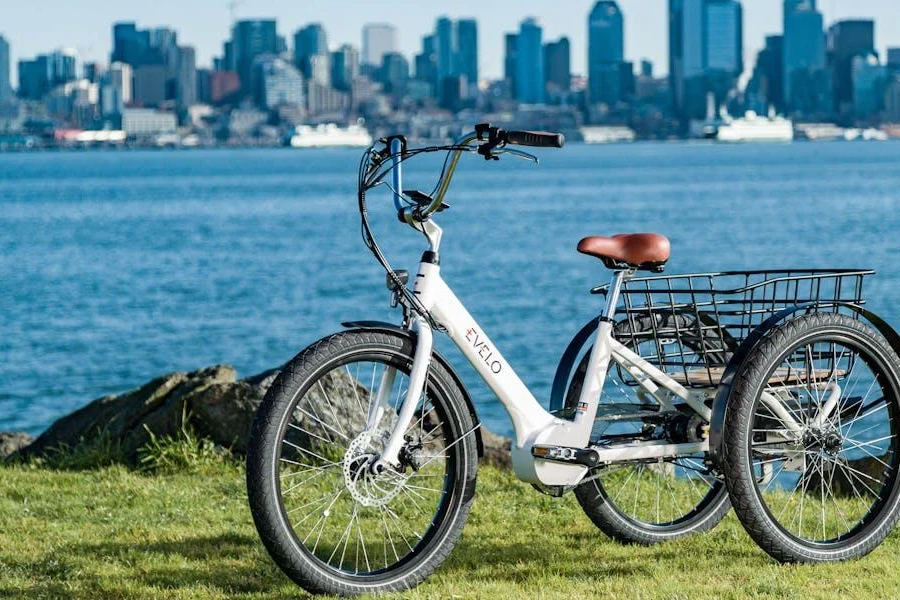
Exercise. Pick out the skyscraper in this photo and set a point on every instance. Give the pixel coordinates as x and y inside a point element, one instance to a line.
<point>426,63</point>
<point>705,52</point>
<point>5,85</point>
<point>378,40</point>
<point>606,53</point>
<point>847,40</point>
<point>445,47</point>
<point>186,77</point>
<point>511,46</point>
<point>870,80</point>
<point>251,39</point>
<point>308,42</point>
<point>530,63</point>
<point>467,64</point>
<point>130,45</point>
<point>344,67</point>
<point>557,66</point>
<point>804,44</point>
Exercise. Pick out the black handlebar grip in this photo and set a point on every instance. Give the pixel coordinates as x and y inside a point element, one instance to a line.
<point>539,139</point>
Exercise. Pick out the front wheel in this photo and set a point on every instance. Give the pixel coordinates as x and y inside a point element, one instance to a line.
<point>810,440</point>
<point>328,518</point>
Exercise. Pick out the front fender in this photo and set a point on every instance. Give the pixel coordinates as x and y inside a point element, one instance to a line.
<point>720,403</point>
<point>384,327</point>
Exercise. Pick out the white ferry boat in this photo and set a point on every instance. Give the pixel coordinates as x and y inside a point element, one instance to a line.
<point>755,128</point>
<point>330,135</point>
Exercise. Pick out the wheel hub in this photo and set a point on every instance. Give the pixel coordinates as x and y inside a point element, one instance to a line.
<point>828,440</point>
<point>365,486</point>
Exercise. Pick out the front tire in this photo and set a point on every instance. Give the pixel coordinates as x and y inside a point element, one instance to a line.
<point>387,531</point>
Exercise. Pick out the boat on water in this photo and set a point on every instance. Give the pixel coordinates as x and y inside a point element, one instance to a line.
<point>607,134</point>
<point>330,135</point>
<point>755,128</point>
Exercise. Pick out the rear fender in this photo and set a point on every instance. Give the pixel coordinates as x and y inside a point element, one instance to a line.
<point>384,327</point>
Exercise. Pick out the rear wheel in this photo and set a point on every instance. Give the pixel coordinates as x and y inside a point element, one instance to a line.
<point>329,519</point>
<point>811,437</point>
<point>651,501</point>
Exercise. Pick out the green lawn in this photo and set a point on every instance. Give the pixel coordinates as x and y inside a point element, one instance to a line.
<point>113,532</point>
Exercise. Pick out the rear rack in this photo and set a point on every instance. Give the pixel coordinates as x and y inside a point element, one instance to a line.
<point>690,325</point>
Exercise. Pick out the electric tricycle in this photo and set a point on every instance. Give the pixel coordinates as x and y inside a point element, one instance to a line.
<point>773,392</point>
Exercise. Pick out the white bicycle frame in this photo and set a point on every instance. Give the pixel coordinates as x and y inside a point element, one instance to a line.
<point>532,424</point>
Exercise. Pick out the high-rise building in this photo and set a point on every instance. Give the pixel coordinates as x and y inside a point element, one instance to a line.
<point>130,45</point>
<point>804,44</point>
<point>344,67</point>
<point>426,63</point>
<point>467,42</point>
<point>846,41</point>
<point>705,52</point>
<point>280,83</point>
<point>893,59</point>
<point>511,47</point>
<point>445,41</point>
<point>394,73</point>
<point>606,52</point>
<point>308,42</point>
<point>250,40</point>
<point>530,63</point>
<point>767,84</point>
<point>34,78</point>
<point>870,80</point>
<point>5,85</point>
<point>120,75</point>
<point>186,79</point>
<point>378,40</point>
<point>150,86</point>
<point>557,66</point>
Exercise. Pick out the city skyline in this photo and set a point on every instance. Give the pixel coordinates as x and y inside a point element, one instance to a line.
<point>646,27</point>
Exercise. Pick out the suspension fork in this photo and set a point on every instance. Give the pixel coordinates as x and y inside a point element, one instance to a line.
<point>417,378</point>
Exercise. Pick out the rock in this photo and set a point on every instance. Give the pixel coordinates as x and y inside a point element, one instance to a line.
<point>13,442</point>
<point>219,407</point>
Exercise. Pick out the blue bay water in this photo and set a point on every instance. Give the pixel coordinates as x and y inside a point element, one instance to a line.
<point>116,267</point>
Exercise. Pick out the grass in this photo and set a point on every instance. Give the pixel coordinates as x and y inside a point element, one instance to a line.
<point>179,527</point>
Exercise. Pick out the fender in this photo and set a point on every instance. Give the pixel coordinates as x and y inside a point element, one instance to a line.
<point>384,327</point>
<point>567,362</point>
<point>720,403</point>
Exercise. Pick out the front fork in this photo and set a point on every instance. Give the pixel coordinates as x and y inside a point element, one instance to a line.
<point>417,378</point>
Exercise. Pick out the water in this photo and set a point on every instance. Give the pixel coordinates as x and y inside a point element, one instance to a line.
<point>117,267</point>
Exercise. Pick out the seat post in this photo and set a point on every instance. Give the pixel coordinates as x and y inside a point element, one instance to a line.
<point>612,297</point>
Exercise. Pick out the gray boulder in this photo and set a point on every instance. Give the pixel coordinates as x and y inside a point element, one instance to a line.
<point>13,442</point>
<point>217,406</point>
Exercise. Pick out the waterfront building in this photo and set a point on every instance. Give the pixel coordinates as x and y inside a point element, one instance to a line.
<point>378,40</point>
<point>893,60</point>
<point>606,53</point>
<point>557,67</point>
<point>250,40</point>
<point>325,100</point>
<point>766,86</point>
<point>6,94</point>
<point>530,63</point>
<point>804,46</point>
<point>344,67</point>
<point>847,40</point>
<point>138,122</point>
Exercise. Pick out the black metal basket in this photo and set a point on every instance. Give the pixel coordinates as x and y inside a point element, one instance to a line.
<point>690,325</point>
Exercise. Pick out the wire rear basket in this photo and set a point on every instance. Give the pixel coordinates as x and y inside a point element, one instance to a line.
<point>690,325</point>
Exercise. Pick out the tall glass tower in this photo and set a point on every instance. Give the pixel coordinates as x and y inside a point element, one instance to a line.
<point>606,53</point>
<point>530,63</point>
<point>804,44</point>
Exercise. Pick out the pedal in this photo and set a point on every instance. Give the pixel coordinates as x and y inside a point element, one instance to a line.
<point>576,456</point>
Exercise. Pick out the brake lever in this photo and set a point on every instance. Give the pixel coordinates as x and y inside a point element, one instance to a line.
<point>518,154</point>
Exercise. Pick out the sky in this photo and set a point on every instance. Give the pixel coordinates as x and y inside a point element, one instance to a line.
<point>43,25</point>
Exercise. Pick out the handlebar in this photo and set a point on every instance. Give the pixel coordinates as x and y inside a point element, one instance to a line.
<point>489,139</point>
<point>538,139</point>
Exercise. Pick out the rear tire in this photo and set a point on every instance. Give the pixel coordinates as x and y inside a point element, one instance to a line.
<point>849,508</point>
<point>288,408</point>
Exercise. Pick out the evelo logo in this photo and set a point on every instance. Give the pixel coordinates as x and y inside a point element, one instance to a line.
<point>483,350</point>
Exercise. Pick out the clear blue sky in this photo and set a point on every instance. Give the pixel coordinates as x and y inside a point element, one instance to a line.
<point>37,26</point>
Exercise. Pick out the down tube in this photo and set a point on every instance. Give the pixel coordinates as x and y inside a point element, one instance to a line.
<point>527,415</point>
